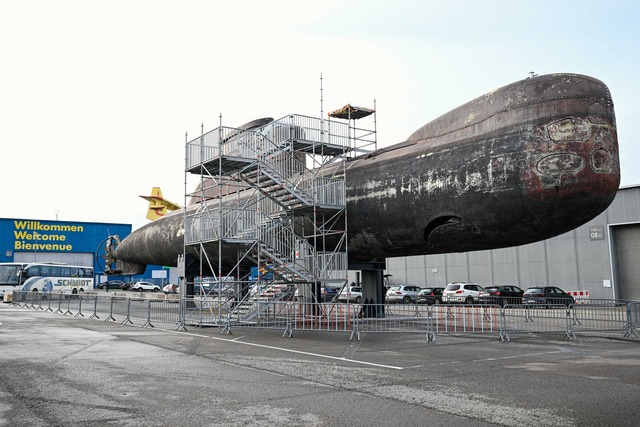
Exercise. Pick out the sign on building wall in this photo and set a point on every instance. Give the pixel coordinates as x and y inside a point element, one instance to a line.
<point>26,236</point>
<point>72,242</point>
<point>597,232</point>
<point>40,236</point>
<point>159,274</point>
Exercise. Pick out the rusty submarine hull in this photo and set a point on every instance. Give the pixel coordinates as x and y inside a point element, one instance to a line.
<point>523,163</point>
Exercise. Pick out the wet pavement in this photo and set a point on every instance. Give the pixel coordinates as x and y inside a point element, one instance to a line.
<point>60,370</point>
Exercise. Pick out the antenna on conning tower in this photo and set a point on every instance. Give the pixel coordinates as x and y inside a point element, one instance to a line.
<point>321,110</point>
<point>321,100</point>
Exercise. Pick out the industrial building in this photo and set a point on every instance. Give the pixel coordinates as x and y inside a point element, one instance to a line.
<point>598,259</point>
<point>76,243</point>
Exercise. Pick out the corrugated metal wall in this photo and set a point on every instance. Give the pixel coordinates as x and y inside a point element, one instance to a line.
<point>627,248</point>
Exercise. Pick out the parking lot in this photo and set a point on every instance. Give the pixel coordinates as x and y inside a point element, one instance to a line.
<point>66,370</point>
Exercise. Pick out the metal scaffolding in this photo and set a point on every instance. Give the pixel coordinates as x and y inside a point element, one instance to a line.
<point>271,203</point>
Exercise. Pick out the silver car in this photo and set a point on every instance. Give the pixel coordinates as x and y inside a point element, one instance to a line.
<point>461,292</point>
<point>403,293</point>
<point>351,294</point>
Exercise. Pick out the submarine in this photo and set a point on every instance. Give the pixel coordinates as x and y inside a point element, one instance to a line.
<point>522,163</point>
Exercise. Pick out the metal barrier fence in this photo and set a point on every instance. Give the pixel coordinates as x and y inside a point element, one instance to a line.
<point>289,316</point>
<point>117,308</point>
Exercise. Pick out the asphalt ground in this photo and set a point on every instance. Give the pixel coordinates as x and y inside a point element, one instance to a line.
<point>58,370</point>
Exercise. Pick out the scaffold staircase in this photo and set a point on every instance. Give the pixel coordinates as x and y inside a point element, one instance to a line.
<point>281,174</point>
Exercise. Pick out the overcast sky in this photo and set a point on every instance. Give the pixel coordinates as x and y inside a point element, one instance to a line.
<point>97,96</point>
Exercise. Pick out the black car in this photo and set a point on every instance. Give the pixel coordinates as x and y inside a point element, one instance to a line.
<point>111,284</point>
<point>126,286</point>
<point>430,296</point>
<point>546,296</point>
<point>501,295</point>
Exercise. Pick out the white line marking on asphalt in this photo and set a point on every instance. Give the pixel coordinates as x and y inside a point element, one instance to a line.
<point>516,356</point>
<point>288,350</point>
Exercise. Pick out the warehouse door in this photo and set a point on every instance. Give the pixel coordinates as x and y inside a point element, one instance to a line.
<point>627,249</point>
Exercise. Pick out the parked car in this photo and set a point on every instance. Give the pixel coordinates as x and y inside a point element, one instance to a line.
<point>546,295</point>
<point>111,284</point>
<point>461,292</point>
<point>502,295</point>
<point>170,289</point>
<point>329,293</point>
<point>126,286</point>
<point>430,296</point>
<point>145,286</point>
<point>403,293</point>
<point>351,294</point>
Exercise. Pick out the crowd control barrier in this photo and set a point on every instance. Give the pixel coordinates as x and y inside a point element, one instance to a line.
<point>151,309</point>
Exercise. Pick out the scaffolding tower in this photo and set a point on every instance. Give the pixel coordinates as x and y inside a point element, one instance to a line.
<point>271,201</point>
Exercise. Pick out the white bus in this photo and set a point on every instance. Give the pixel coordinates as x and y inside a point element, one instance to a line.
<point>9,277</point>
<point>49,277</point>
